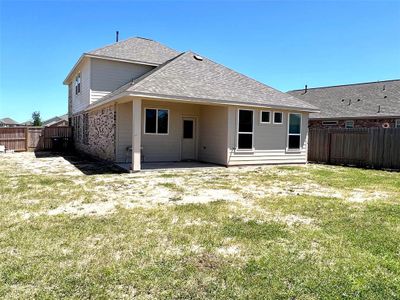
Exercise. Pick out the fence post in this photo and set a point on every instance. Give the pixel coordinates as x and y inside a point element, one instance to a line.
<point>26,139</point>
<point>329,146</point>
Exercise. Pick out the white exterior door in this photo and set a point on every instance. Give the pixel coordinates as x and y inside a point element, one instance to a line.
<point>188,139</point>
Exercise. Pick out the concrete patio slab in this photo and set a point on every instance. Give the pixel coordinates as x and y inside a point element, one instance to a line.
<point>147,166</point>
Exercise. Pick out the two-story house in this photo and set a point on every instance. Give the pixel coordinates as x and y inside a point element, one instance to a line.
<point>140,101</point>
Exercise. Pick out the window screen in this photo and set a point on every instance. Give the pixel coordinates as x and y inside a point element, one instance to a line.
<point>151,121</point>
<point>294,141</point>
<point>78,84</point>
<point>294,123</point>
<point>265,117</point>
<point>294,131</point>
<point>245,121</point>
<point>187,129</point>
<point>349,124</point>
<point>245,141</point>
<point>245,132</point>
<point>162,121</point>
<point>156,121</point>
<point>278,117</point>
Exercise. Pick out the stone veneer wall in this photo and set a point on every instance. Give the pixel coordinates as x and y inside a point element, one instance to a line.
<point>100,138</point>
<point>358,123</point>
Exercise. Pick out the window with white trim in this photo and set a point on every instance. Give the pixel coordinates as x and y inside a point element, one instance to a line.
<point>349,124</point>
<point>245,129</point>
<point>265,117</point>
<point>278,117</point>
<point>78,84</point>
<point>397,123</point>
<point>329,123</point>
<point>294,131</point>
<point>156,121</point>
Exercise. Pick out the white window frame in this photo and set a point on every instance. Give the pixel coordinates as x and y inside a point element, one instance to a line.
<point>294,134</point>
<point>273,116</point>
<point>237,130</point>
<point>144,121</point>
<point>78,83</point>
<point>333,123</point>
<point>397,123</point>
<point>270,116</point>
<point>349,121</point>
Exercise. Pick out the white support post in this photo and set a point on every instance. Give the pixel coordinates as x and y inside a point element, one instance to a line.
<point>136,133</point>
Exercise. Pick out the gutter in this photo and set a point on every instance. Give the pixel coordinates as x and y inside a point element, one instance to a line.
<point>99,102</point>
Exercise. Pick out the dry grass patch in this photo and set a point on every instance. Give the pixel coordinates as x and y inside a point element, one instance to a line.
<point>71,229</point>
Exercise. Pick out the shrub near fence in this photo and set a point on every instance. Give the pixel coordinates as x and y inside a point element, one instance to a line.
<point>33,138</point>
<point>364,147</point>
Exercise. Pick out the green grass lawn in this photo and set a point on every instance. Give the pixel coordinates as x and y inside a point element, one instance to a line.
<point>336,237</point>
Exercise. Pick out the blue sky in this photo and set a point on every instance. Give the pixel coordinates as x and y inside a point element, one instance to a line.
<point>283,44</point>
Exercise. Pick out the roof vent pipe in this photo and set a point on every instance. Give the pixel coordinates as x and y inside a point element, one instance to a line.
<point>116,36</point>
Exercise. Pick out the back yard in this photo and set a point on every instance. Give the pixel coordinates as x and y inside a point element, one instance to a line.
<point>71,229</point>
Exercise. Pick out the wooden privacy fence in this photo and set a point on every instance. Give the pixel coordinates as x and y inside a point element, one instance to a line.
<point>364,147</point>
<point>35,138</point>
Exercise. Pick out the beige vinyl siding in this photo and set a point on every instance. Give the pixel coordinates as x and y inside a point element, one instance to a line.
<point>107,76</point>
<point>268,157</point>
<point>154,147</point>
<point>216,136</point>
<point>269,141</point>
<point>82,100</point>
<point>213,132</point>
<point>167,147</point>
<point>124,132</point>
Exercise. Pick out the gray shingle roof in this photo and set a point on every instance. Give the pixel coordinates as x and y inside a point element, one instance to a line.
<point>137,49</point>
<point>27,123</point>
<point>205,80</point>
<point>376,99</point>
<point>55,119</point>
<point>8,121</point>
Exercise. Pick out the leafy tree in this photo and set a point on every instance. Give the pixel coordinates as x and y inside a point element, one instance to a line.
<point>37,121</point>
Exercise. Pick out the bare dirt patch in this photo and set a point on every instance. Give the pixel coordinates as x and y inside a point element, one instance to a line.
<point>360,195</point>
<point>228,251</point>
<point>109,191</point>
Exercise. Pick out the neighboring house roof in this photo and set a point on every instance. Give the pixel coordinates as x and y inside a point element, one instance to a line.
<point>27,123</point>
<point>55,120</point>
<point>371,99</point>
<point>191,77</point>
<point>137,49</point>
<point>8,121</point>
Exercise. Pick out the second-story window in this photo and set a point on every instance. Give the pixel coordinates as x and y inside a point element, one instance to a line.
<point>78,84</point>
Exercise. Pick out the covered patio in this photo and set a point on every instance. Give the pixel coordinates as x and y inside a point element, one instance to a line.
<point>169,134</point>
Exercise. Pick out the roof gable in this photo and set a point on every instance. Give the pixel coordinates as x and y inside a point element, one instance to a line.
<point>137,49</point>
<point>55,119</point>
<point>8,121</point>
<point>372,99</point>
